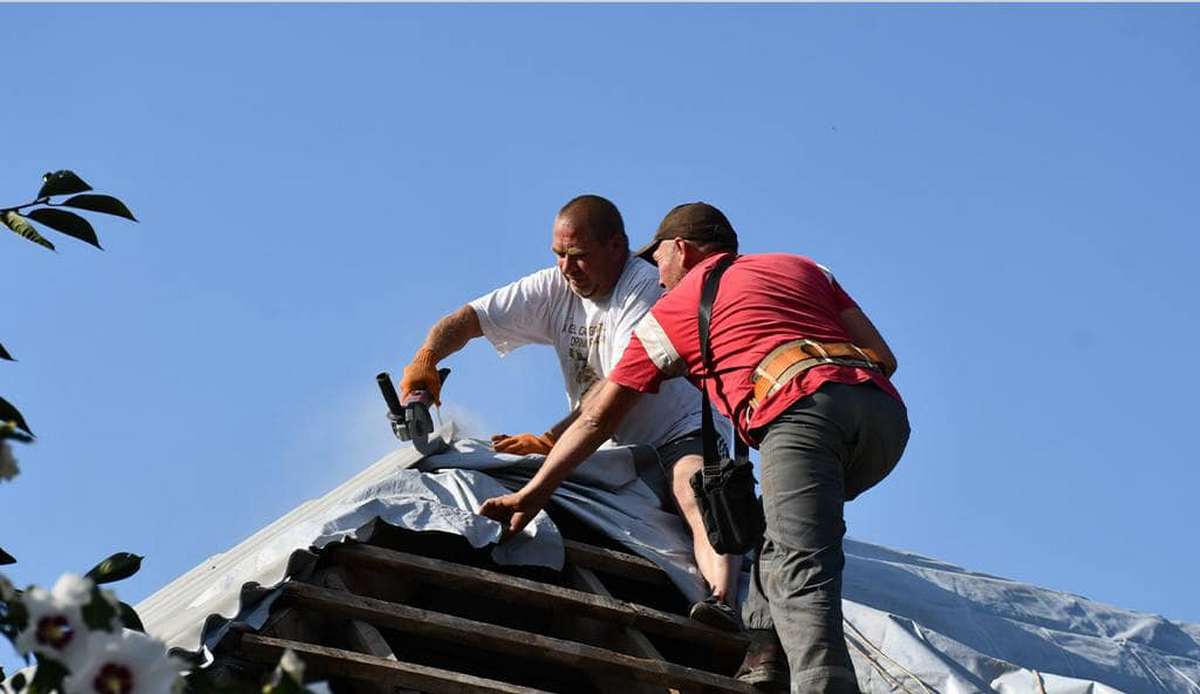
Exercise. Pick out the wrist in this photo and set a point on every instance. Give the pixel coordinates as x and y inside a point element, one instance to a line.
<point>535,495</point>
<point>425,357</point>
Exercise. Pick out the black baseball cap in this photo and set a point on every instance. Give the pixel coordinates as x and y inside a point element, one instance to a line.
<point>693,221</point>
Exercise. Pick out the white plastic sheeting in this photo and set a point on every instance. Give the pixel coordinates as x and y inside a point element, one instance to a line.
<point>441,493</point>
<point>914,624</point>
<point>960,631</point>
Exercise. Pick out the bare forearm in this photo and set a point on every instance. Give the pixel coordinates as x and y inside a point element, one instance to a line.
<point>596,422</point>
<point>600,416</point>
<point>863,333</point>
<point>559,428</point>
<point>580,440</point>
<point>452,333</point>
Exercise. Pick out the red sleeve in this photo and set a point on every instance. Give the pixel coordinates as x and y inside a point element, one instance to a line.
<point>635,370</point>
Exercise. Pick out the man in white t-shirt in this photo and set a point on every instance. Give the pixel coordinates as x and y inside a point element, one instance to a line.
<point>586,308</point>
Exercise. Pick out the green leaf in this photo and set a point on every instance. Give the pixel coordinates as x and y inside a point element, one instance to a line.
<point>47,678</point>
<point>6,558</point>
<point>62,183</point>
<point>130,618</point>
<point>68,223</point>
<point>5,355</point>
<point>99,613</point>
<point>8,413</point>
<point>14,618</point>
<point>18,682</point>
<point>19,224</point>
<point>100,203</point>
<point>116,567</point>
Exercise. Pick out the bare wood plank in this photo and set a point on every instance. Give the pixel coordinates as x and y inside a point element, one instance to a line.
<point>504,640</point>
<point>360,636</point>
<point>616,563</point>
<point>290,623</point>
<point>525,591</point>
<point>378,584</point>
<point>586,579</point>
<point>336,662</point>
<point>363,637</point>
<point>628,639</point>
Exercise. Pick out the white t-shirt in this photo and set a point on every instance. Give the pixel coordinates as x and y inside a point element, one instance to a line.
<point>589,338</point>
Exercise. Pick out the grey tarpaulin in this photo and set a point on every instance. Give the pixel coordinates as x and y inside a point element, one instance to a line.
<point>914,624</point>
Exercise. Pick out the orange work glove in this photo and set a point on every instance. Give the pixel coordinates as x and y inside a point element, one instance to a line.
<point>523,444</point>
<point>421,374</point>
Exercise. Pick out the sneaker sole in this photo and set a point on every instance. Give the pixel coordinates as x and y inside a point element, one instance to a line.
<point>715,619</point>
<point>764,681</point>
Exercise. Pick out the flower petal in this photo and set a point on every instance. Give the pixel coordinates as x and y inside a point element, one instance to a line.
<point>72,590</point>
<point>143,659</point>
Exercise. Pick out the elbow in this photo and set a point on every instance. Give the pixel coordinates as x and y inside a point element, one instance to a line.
<point>460,327</point>
<point>467,318</point>
<point>602,414</point>
<point>598,421</point>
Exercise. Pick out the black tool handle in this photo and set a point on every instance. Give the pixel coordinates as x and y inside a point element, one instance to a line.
<point>389,393</point>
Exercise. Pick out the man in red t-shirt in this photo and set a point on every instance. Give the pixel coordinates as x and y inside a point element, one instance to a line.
<point>803,374</point>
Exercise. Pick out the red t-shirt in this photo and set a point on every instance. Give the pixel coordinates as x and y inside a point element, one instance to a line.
<point>763,302</point>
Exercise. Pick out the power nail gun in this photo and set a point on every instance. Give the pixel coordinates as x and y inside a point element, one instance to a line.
<point>411,418</point>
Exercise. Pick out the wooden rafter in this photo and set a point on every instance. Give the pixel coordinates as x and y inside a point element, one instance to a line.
<point>335,662</point>
<point>504,641</point>
<point>534,593</point>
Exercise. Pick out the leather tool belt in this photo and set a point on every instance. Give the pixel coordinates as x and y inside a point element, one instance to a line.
<point>789,360</point>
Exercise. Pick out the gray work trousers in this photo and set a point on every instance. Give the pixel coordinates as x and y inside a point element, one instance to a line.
<point>824,450</point>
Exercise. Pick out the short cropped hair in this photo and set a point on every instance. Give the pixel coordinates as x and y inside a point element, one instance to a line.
<point>599,216</point>
<point>710,247</point>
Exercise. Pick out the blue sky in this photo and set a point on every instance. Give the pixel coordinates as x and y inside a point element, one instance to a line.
<point>1011,192</point>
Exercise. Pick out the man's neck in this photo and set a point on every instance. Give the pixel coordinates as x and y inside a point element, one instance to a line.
<point>607,292</point>
<point>700,261</point>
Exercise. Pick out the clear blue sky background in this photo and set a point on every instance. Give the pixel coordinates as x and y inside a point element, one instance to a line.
<point>1012,193</point>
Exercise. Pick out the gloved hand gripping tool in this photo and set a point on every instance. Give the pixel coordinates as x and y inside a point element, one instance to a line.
<point>411,419</point>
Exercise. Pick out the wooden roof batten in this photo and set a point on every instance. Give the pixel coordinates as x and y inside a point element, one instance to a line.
<point>423,612</point>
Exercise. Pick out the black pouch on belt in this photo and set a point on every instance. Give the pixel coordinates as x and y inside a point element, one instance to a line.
<point>724,489</point>
<point>732,512</point>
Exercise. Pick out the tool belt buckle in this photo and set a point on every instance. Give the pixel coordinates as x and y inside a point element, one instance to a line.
<point>813,348</point>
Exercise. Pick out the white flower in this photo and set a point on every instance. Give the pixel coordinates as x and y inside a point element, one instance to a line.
<point>8,464</point>
<point>56,628</point>
<point>128,662</point>
<point>291,664</point>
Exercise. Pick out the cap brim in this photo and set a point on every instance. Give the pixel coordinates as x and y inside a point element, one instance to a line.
<point>647,251</point>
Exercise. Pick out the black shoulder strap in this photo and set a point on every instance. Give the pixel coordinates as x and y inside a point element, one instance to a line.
<point>708,294</point>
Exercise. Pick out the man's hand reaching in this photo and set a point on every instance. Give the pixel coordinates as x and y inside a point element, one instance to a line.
<point>513,511</point>
<point>523,444</point>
